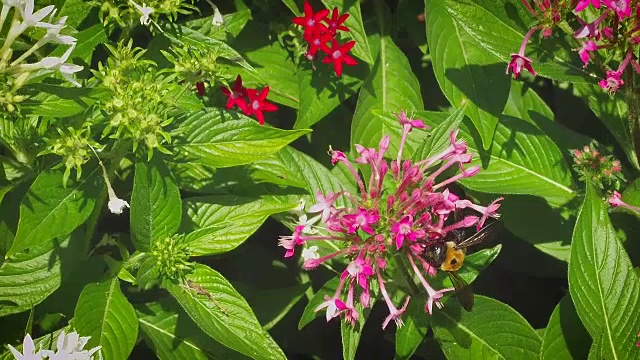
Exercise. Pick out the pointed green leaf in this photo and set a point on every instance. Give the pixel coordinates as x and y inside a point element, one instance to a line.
<point>49,210</point>
<point>390,87</point>
<point>464,69</point>
<point>223,222</point>
<point>172,335</point>
<point>29,277</point>
<point>565,337</point>
<point>222,138</point>
<point>228,319</point>
<point>351,334</point>
<point>105,314</point>
<point>493,330</point>
<point>603,284</point>
<point>156,207</point>
<point>355,25</point>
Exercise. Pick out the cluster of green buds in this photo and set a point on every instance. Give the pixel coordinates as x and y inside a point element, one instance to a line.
<point>168,259</point>
<point>15,71</point>
<point>141,98</point>
<point>74,146</point>
<point>604,171</point>
<point>196,66</point>
<point>125,13</point>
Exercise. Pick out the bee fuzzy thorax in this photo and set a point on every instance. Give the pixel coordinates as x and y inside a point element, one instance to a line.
<point>453,258</point>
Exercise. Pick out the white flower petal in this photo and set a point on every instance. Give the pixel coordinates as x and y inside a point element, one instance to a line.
<point>117,205</point>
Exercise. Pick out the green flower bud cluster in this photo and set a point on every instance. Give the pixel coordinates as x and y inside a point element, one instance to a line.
<point>140,101</point>
<point>9,97</point>
<point>171,257</point>
<point>73,145</point>
<point>194,65</point>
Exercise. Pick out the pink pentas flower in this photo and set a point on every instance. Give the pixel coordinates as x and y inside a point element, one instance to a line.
<point>363,219</point>
<point>587,47</point>
<point>582,4</point>
<point>590,30</point>
<point>290,242</point>
<point>403,229</point>
<point>615,200</point>
<point>390,218</point>
<point>519,61</point>
<point>310,19</point>
<point>338,54</point>
<point>621,7</point>
<point>612,82</point>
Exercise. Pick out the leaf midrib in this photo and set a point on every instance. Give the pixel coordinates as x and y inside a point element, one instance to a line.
<point>103,335</point>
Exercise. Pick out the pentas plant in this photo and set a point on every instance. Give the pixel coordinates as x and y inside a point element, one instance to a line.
<point>403,209</point>
<point>614,32</point>
<point>320,30</point>
<point>250,101</point>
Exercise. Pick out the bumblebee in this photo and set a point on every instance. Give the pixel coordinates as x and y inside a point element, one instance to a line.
<point>448,254</point>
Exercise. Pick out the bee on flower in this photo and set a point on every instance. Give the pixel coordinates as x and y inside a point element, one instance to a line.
<point>404,209</point>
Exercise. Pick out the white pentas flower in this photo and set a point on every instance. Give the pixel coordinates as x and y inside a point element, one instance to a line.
<point>58,63</point>
<point>145,11</point>
<point>28,350</point>
<point>310,253</point>
<point>71,346</point>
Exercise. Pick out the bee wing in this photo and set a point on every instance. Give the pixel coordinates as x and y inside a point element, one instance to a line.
<point>464,292</point>
<point>483,234</point>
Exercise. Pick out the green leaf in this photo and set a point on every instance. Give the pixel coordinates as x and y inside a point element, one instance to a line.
<point>438,139</point>
<point>565,337</point>
<point>233,24</point>
<point>105,314</point>
<point>297,165</point>
<point>492,330</point>
<point>29,277</point>
<point>321,92</point>
<point>613,112</point>
<point>355,25</point>
<point>88,40</point>
<point>291,4</point>
<point>172,335</point>
<point>221,138</point>
<point>272,64</point>
<point>59,101</point>
<point>49,210</point>
<point>390,87</point>
<point>229,319</point>
<point>351,334</point>
<point>183,35</point>
<point>223,222</point>
<point>522,159</point>
<point>603,285</point>
<point>76,11</point>
<point>309,311</point>
<point>410,336</point>
<point>524,103</point>
<point>464,69</point>
<point>499,26</point>
<point>156,208</point>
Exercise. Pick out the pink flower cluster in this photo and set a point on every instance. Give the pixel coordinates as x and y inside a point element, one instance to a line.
<point>403,209</point>
<point>617,27</point>
<point>593,166</point>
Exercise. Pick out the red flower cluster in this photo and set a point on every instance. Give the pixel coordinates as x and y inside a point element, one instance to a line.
<point>250,101</point>
<point>317,35</point>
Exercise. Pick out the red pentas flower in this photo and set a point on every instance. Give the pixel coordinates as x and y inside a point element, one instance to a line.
<point>320,36</point>
<point>257,103</point>
<point>336,21</point>
<point>310,19</point>
<point>337,54</point>
<point>398,215</point>
<point>236,95</point>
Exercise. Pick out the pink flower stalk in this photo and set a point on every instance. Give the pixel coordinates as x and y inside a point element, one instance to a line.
<point>621,7</point>
<point>582,4</point>
<point>391,218</point>
<point>519,61</point>
<point>615,200</point>
<point>587,47</point>
<point>434,295</point>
